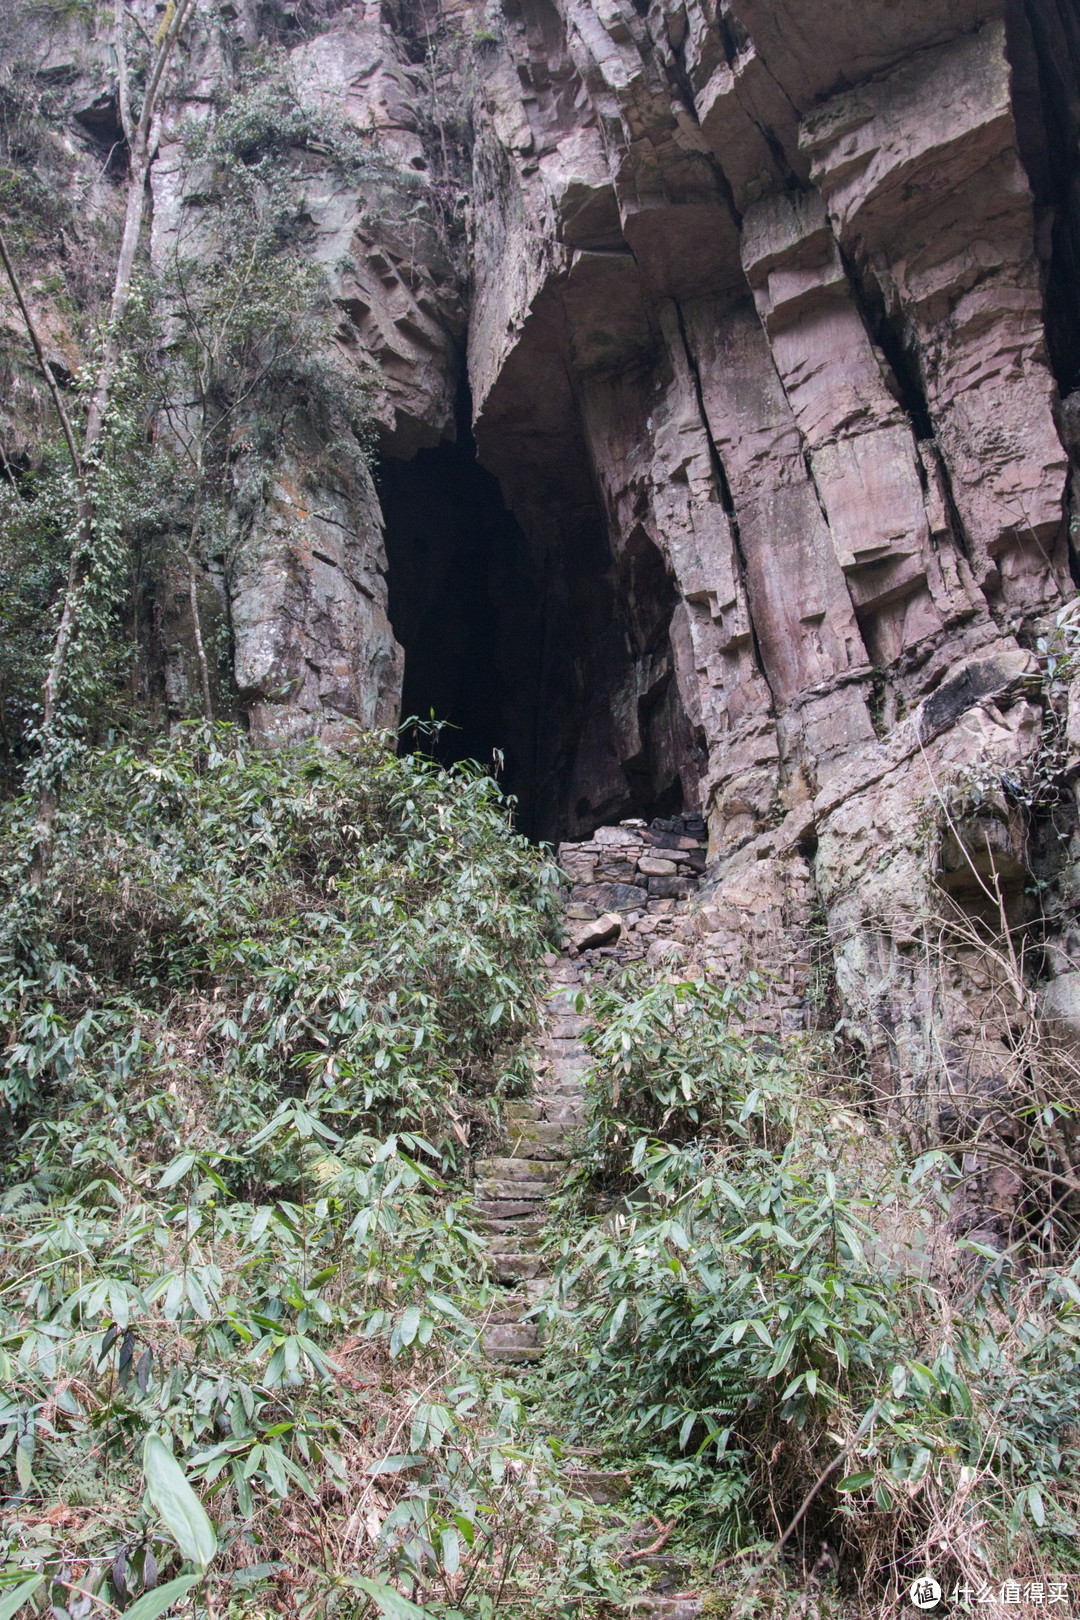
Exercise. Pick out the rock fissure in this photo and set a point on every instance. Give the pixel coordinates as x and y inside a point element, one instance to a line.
<point>726,500</point>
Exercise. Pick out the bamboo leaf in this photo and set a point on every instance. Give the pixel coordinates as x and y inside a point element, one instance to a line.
<point>153,1604</point>
<point>12,1602</point>
<point>450,1546</point>
<point>176,1171</point>
<point>177,1503</point>
<point>389,1602</point>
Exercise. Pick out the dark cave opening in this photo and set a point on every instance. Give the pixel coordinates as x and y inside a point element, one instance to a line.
<point>535,644</point>
<point>463,606</point>
<point>1044,54</point>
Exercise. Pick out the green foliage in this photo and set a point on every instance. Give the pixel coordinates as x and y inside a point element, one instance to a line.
<point>32,155</point>
<point>263,121</point>
<point>243,344</point>
<point>229,350</point>
<point>759,1318</point>
<point>177,1503</point>
<point>267,1000</point>
<point>349,930</point>
<point>40,518</point>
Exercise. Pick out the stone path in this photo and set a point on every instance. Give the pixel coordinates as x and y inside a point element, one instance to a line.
<point>511,1193</point>
<point>629,888</point>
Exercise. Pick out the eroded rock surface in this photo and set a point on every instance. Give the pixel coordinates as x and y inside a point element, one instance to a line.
<point>767,313</point>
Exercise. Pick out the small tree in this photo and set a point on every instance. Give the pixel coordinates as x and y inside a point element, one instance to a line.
<point>232,336</point>
<point>91,526</point>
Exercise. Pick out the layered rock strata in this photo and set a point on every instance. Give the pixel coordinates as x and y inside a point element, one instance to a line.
<point>800,287</point>
<point>764,315</point>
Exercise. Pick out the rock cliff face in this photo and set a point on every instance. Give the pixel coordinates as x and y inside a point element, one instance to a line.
<point>763,314</point>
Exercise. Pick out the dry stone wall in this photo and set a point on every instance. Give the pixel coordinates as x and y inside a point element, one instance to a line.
<point>629,887</point>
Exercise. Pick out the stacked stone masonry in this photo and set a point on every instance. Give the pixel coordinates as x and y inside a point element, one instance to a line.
<point>634,894</point>
<point>629,887</point>
<point>512,1189</point>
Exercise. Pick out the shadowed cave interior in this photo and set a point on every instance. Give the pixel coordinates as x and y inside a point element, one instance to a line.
<point>542,646</point>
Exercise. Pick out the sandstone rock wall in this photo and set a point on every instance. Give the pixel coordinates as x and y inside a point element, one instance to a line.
<point>313,644</point>
<point>768,312</point>
<point>798,272</point>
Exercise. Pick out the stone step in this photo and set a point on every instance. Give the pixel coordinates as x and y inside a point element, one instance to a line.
<point>524,1225</point>
<point>514,1267</point>
<point>523,1108</point>
<point>542,1139</point>
<point>519,1169</point>
<point>564,1071</point>
<point>512,1190</point>
<point>600,1485</point>
<point>512,1341</point>
<point>506,1190</point>
<point>509,1315</point>
<point>564,1024</point>
<point>505,1209</point>
<point>557,1051</point>
<point>513,1304</point>
<point>515,1243</point>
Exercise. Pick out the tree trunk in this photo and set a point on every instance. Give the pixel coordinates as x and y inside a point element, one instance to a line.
<point>141,155</point>
<point>193,598</point>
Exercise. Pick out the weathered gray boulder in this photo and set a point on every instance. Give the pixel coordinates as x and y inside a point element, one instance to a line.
<point>600,931</point>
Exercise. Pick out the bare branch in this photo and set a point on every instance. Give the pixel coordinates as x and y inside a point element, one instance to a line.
<point>46,369</point>
<point>141,156</point>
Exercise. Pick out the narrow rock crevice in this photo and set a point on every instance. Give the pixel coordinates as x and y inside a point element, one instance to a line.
<point>727,501</point>
<point>884,332</point>
<point>906,384</point>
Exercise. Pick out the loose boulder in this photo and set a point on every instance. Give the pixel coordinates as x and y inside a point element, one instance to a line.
<point>603,930</point>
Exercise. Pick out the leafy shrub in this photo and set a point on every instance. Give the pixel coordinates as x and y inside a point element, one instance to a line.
<point>40,520</point>
<point>756,1308</point>
<point>265,1008</point>
<point>348,927</point>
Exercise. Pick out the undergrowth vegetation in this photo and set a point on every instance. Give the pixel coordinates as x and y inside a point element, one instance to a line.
<point>759,1313</point>
<point>253,1029</point>
<point>257,1026</point>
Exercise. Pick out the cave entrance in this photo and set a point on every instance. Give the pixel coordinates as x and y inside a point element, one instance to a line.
<point>464,606</point>
<point>536,643</point>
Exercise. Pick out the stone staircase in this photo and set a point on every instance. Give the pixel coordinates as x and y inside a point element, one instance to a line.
<point>512,1192</point>
<point>629,895</point>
